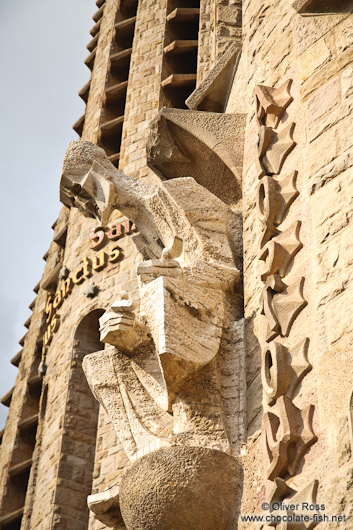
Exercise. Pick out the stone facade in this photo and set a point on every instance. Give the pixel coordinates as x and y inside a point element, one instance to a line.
<point>202,288</point>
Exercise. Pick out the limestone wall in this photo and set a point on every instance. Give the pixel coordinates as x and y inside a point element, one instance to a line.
<point>314,50</point>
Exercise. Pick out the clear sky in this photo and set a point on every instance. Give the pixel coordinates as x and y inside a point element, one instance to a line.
<point>42,53</point>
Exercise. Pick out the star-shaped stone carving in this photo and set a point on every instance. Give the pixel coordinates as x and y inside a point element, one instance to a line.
<point>272,102</point>
<point>288,304</point>
<point>278,151</point>
<point>279,252</point>
<point>299,364</point>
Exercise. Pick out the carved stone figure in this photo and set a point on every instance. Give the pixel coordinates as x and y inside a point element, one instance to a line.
<point>158,377</point>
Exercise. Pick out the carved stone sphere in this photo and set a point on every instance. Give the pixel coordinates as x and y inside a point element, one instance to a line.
<point>181,488</point>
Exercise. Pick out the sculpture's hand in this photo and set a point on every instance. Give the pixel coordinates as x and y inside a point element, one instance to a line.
<point>119,326</point>
<point>166,266</point>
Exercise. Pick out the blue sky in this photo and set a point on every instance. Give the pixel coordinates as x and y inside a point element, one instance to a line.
<point>42,53</point>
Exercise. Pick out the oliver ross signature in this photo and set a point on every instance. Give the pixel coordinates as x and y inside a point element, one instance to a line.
<point>302,507</point>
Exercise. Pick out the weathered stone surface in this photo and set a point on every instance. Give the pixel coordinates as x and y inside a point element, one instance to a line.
<point>295,206</point>
<point>212,94</point>
<point>287,435</point>
<point>151,208</point>
<point>272,102</point>
<point>169,489</point>
<point>212,143</point>
<point>105,506</point>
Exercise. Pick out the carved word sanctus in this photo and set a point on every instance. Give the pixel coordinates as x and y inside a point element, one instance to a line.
<point>99,237</point>
<point>118,229</point>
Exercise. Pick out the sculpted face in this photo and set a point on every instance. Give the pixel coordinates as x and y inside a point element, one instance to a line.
<point>80,198</point>
<point>86,180</point>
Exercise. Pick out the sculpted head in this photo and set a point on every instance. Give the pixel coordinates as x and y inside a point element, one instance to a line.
<point>86,180</point>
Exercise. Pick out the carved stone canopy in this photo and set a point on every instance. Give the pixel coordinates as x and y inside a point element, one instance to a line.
<point>204,145</point>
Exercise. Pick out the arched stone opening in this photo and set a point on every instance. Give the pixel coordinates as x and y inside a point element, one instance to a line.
<point>81,418</point>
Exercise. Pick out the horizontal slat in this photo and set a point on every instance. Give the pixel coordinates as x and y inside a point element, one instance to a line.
<point>83,93</point>
<point>78,125</point>
<point>98,14</point>
<point>11,517</point>
<point>110,127</point>
<point>118,57</point>
<point>181,46</point>
<point>50,279</point>
<point>35,381</point>
<point>128,22</point>
<point>90,59</point>
<point>114,158</point>
<point>183,14</point>
<point>20,468</point>
<point>28,422</point>
<point>32,304</point>
<point>92,43</point>
<point>6,399</point>
<point>16,359</point>
<point>96,28</point>
<point>116,91</point>
<point>61,236</point>
<point>175,80</point>
<point>22,341</point>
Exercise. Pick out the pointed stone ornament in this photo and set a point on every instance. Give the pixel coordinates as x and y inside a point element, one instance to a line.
<point>289,192</point>
<point>119,326</point>
<point>174,251</point>
<point>275,371</point>
<point>106,508</point>
<point>269,201</point>
<point>299,364</point>
<point>148,271</point>
<point>268,232</point>
<point>281,431</point>
<point>308,495</point>
<point>259,168</point>
<point>272,102</point>
<point>281,493</point>
<point>306,439</point>
<point>273,285</point>
<point>287,306</point>
<point>279,252</point>
<point>274,197</point>
<point>166,146</point>
<point>283,368</point>
<point>280,490</point>
<point>266,136</point>
<point>288,434</point>
<point>278,151</point>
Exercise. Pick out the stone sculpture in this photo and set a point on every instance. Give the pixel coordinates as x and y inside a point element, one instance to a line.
<point>158,377</point>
